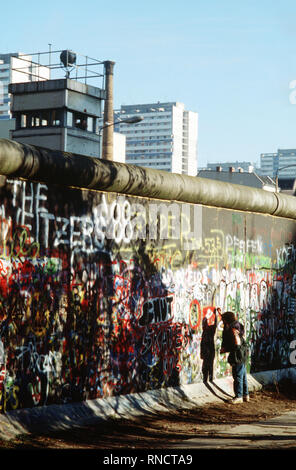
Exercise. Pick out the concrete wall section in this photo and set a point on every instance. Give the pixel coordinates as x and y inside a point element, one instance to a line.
<point>103,294</point>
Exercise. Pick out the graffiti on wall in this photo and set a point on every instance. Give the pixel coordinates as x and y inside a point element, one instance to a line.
<point>104,294</point>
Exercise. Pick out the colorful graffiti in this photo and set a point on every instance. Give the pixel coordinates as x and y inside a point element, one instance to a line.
<point>97,298</point>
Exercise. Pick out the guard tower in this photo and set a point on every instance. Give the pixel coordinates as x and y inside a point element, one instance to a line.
<point>60,113</point>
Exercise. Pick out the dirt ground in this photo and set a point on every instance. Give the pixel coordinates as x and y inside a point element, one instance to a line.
<point>158,430</point>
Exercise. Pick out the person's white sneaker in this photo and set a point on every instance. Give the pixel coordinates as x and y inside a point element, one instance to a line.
<point>237,400</point>
<point>247,398</point>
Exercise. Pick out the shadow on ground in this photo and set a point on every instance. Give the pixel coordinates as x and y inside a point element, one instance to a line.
<point>158,430</point>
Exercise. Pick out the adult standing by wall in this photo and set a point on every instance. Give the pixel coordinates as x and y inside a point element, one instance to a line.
<point>207,345</point>
<point>233,342</point>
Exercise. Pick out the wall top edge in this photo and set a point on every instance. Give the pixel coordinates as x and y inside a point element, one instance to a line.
<point>56,167</point>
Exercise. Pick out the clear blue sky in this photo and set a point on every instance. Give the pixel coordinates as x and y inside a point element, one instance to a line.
<point>230,61</point>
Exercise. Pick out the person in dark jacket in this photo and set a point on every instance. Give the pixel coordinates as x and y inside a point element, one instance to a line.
<point>233,342</point>
<point>207,346</point>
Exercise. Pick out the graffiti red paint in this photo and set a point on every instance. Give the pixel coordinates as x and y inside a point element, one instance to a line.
<point>84,315</point>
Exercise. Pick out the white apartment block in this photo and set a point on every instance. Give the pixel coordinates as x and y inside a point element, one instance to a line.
<point>166,139</point>
<point>17,68</point>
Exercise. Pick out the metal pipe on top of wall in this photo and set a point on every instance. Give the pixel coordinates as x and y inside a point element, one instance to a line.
<point>56,167</point>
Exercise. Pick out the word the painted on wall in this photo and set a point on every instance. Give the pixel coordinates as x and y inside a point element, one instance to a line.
<point>120,220</point>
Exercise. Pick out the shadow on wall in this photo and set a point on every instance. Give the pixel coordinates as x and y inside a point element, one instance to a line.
<point>145,352</point>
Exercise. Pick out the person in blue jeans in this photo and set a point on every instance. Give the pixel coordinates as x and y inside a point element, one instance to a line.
<point>233,342</point>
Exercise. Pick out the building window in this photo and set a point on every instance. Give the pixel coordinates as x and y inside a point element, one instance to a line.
<point>57,118</point>
<point>91,124</point>
<point>44,118</point>
<point>69,119</point>
<point>80,121</point>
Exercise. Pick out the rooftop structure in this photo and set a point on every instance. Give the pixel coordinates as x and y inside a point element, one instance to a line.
<point>63,112</point>
<point>237,165</point>
<point>240,177</point>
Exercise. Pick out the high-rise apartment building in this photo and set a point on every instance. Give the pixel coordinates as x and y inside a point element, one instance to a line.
<point>287,158</point>
<point>166,139</point>
<point>269,162</point>
<point>281,166</point>
<point>17,68</point>
<point>282,163</point>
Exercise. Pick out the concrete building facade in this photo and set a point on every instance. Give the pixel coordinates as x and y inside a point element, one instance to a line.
<point>16,68</point>
<point>166,139</point>
<point>6,128</point>
<point>58,114</point>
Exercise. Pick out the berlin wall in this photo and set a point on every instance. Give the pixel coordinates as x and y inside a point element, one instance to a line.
<point>104,293</point>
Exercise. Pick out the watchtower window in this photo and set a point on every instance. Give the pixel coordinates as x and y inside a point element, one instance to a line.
<point>57,117</point>
<point>40,118</point>
<point>90,124</point>
<point>23,121</point>
<point>80,121</point>
<point>69,119</point>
